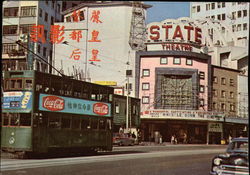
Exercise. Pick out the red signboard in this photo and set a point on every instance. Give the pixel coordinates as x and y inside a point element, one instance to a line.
<point>53,103</point>
<point>100,109</point>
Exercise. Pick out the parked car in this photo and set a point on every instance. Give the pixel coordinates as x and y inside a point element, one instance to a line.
<point>234,161</point>
<point>123,140</point>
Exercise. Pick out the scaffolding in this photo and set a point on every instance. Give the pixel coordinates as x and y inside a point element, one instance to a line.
<point>138,35</point>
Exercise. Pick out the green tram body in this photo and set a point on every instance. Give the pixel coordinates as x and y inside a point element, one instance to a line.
<point>29,127</point>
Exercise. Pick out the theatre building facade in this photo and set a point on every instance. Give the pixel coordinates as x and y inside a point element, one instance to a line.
<point>174,80</point>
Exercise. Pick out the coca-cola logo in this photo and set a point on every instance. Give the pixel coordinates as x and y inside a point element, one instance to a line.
<point>100,108</point>
<point>53,103</point>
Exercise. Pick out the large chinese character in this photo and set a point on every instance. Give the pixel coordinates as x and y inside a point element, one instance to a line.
<point>94,55</point>
<point>76,54</point>
<point>76,35</point>
<point>94,36</point>
<point>56,34</point>
<point>37,33</point>
<point>75,15</point>
<point>95,16</point>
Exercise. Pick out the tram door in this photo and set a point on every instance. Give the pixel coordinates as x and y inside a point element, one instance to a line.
<point>40,141</point>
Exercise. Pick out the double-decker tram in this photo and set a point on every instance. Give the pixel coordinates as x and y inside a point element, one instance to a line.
<point>43,113</point>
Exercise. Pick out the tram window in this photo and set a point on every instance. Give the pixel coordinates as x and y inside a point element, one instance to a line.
<point>75,123</point>
<point>66,122</point>
<point>94,123</point>
<point>56,86</point>
<point>39,87</point>
<point>25,120</point>
<point>5,120</point>
<point>85,124</point>
<point>12,84</point>
<point>54,122</point>
<point>7,84</point>
<point>14,119</point>
<point>110,97</point>
<point>85,92</point>
<point>93,96</point>
<point>109,126</point>
<point>102,124</point>
<point>19,84</point>
<point>28,84</point>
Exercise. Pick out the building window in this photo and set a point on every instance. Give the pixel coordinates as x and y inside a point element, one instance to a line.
<point>145,100</point>
<point>145,72</point>
<point>232,108</point>
<point>213,5</point>
<point>28,11</point>
<point>239,14</point>
<point>47,2</point>
<point>223,94</point>
<point>231,82</point>
<point>234,28</point>
<point>198,8</point>
<point>58,8</point>
<point>207,6</point>
<point>231,94</point>
<point>202,75</point>
<point>215,79</point>
<point>10,12</point>
<point>51,20</point>
<point>233,15</point>
<point>202,102</point>
<point>218,4</point>
<point>202,88</point>
<point>145,86</point>
<point>40,12</point>
<point>223,81</point>
<point>218,17</point>
<point>193,9</point>
<point>214,106</point>
<point>44,51</point>
<point>164,60</point>
<point>223,16</point>
<point>245,26</point>
<point>25,28</point>
<point>213,17</point>
<point>45,33</point>
<point>244,13</point>
<point>223,4</point>
<point>82,17</point>
<point>239,27</point>
<point>68,19</point>
<point>189,62</point>
<point>7,48</point>
<point>10,30</point>
<point>46,17</point>
<point>177,60</point>
<point>38,48</point>
<point>215,93</point>
<point>223,106</point>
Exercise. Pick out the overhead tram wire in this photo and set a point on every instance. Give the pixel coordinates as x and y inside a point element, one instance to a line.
<point>19,43</point>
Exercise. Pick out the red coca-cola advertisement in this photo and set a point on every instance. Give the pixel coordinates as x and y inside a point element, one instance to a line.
<point>53,103</point>
<point>100,108</point>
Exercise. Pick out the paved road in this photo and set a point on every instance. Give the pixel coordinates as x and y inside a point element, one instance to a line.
<point>138,160</point>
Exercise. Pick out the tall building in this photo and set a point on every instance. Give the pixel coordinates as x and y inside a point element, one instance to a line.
<point>96,44</point>
<point>234,14</point>
<point>18,17</point>
<point>226,20</point>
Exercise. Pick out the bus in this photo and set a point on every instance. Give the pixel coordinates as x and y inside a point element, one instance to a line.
<point>46,113</point>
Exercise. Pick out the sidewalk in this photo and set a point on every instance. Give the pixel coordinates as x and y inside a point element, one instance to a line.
<point>180,144</point>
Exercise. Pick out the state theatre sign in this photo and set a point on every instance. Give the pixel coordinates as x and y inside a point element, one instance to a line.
<point>177,36</point>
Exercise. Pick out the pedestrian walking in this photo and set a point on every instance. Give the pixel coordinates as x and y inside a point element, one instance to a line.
<point>172,139</point>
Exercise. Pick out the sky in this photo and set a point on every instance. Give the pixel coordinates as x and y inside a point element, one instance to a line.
<point>162,10</point>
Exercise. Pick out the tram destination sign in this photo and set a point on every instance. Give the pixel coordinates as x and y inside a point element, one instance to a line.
<point>182,114</point>
<point>72,105</point>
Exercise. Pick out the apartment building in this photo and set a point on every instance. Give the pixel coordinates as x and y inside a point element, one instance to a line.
<point>230,17</point>
<point>18,17</point>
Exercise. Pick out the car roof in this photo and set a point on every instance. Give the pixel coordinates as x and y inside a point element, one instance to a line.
<point>244,139</point>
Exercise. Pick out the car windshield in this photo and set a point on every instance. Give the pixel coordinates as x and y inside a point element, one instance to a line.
<point>239,146</point>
